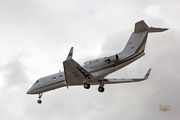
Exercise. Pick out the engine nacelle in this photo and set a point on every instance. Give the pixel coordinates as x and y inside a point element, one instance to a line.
<point>96,63</point>
<point>112,58</point>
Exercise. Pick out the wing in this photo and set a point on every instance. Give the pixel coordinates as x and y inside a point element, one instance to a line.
<point>74,73</point>
<point>126,80</point>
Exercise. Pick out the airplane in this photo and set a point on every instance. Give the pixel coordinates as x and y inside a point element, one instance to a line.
<point>94,72</point>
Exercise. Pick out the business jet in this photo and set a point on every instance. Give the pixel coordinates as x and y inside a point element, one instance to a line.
<point>94,72</point>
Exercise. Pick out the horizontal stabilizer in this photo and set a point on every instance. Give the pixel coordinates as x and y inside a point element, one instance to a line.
<point>142,26</point>
<point>152,29</point>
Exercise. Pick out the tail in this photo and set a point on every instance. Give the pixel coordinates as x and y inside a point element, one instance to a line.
<point>137,41</point>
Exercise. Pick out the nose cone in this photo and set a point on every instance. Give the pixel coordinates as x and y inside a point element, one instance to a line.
<point>29,91</point>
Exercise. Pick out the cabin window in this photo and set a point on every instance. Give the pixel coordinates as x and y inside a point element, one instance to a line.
<point>54,78</point>
<point>60,76</point>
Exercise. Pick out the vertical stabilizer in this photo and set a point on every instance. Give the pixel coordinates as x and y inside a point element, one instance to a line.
<point>137,41</point>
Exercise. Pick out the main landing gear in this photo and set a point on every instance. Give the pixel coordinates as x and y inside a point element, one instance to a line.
<point>100,89</point>
<point>86,85</point>
<point>40,101</point>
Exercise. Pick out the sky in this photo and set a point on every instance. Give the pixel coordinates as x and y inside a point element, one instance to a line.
<point>35,38</point>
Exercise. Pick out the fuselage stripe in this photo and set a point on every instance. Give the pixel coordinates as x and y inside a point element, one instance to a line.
<point>115,64</point>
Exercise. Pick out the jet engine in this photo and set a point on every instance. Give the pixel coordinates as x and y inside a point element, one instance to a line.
<point>96,63</point>
<point>112,58</point>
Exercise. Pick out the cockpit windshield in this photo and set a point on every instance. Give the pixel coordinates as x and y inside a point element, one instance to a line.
<point>37,81</point>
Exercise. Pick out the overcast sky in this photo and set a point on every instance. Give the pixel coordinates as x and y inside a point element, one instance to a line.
<point>35,38</point>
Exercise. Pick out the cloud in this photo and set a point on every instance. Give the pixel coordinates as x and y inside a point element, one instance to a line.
<point>14,72</point>
<point>15,82</point>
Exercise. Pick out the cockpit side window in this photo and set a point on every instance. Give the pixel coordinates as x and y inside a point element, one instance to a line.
<point>54,78</point>
<point>60,76</point>
<point>37,81</point>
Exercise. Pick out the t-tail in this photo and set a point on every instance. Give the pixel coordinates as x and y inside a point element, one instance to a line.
<point>137,41</point>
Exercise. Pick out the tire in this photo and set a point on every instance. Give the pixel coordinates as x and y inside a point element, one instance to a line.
<point>86,85</point>
<point>39,101</point>
<point>101,89</point>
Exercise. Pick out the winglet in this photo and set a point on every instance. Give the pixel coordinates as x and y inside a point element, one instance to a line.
<point>147,74</point>
<point>70,54</point>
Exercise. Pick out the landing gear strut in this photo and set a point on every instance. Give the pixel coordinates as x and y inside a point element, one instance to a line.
<point>40,101</point>
<point>86,85</point>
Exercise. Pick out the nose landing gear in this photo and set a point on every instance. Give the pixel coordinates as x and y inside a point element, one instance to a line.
<point>40,101</point>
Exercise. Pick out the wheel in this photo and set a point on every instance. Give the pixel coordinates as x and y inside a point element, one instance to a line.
<point>86,85</point>
<point>101,89</point>
<point>39,101</point>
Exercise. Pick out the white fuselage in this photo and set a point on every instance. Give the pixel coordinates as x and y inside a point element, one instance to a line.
<point>58,80</point>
